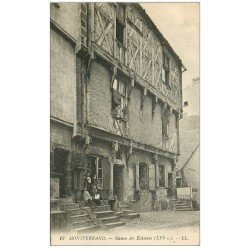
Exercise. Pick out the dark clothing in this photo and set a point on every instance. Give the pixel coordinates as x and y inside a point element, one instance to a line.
<point>97,202</point>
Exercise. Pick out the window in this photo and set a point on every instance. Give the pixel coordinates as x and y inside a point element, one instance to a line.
<point>143,176</point>
<point>161,176</point>
<point>96,171</point>
<point>120,23</point>
<point>119,31</point>
<point>119,104</point>
<point>178,182</point>
<point>165,71</point>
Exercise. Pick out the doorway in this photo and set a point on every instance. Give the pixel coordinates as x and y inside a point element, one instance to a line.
<point>170,186</point>
<point>60,162</point>
<point>118,186</point>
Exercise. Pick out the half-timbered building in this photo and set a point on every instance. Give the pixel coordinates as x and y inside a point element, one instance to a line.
<point>116,102</point>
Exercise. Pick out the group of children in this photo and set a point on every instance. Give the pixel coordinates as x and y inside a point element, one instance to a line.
<point>90,192</point>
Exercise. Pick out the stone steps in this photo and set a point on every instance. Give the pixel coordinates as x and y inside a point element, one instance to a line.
<point>80,217</point>
<point>101,208</point>
<point>75,211</point>
<point>114,224</point>
<point>181,205</point>
<point>123,206</point>
<point>126,212</point>
<point>104,214</point>
<point>81,224</point>
<point>109,219</point>
<point>119,213</point>
<point>86,229</point>
<point>183,208</point>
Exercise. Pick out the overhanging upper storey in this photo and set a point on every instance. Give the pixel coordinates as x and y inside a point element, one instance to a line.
<point>124,35</point>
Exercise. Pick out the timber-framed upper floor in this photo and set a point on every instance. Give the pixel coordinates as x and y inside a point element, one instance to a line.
<point>124,35</point>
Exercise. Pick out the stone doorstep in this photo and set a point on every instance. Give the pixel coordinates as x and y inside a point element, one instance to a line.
<point>101,208</point>
<point>184,209</point>
<point>180,205</point>
<point>104,214</point>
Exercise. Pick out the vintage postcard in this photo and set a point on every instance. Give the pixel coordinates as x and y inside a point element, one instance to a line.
<point>124,123</point>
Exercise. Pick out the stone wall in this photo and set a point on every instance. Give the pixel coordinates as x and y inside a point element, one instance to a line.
<point>61,134</point>
<point>63,78</point>
<point>67,16</point>
<point>142,125</point>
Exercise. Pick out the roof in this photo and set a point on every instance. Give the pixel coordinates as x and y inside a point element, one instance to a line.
<point>158,33</point>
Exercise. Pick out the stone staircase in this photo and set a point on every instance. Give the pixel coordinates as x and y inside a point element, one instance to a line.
<point>181,205</point>
<point>125,211</point>
<point>85,219</point>
<point>106,218</point>
<point>80,219</point>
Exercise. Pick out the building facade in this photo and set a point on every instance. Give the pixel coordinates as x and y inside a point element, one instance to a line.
<point>116,102</point>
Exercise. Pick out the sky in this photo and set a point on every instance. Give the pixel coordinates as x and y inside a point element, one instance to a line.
<point>179,24</point>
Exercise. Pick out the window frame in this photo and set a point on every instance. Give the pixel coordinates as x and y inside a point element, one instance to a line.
<point>162,181</point>
<point>98,163</point>
<point>121,94</point>
<point>166,70</point>
<point>120,25</point>
<point>145,184</point>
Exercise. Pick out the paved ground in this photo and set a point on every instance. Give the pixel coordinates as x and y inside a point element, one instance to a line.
<point>174,227</point>
<point>152,228</point>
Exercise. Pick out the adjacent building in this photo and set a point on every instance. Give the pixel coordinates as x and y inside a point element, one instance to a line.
<point>189,161</point>
<point>116,102</point>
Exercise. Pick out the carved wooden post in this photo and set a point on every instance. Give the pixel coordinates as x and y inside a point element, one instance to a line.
<point>130,87</point>
<point>143,96</point>
<point>90,59</point>
<point>154,104</point>
<point>155,158</point>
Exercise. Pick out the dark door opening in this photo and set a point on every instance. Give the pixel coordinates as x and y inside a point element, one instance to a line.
<point>178,182</point>
<point>118,181</point>
<point>170,186</point>
<point>60,161</point>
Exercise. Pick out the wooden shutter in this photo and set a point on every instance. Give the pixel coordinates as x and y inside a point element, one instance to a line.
<point>106,173</point>
<point>137,186</point>
<point>156,175</point>
<point>151,176</point>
